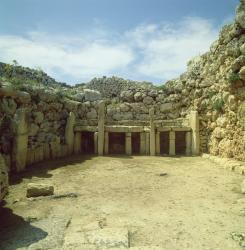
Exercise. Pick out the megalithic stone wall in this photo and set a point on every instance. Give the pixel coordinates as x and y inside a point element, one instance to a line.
<point>3,178</point>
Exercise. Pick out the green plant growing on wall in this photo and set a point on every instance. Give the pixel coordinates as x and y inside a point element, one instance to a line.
<point>233,77</point>
<point>218,104</point>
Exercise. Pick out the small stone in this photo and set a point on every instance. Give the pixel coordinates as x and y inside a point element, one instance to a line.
<point>35,190</point>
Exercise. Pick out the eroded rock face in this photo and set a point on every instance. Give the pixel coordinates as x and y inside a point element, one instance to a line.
<point>3,178</point>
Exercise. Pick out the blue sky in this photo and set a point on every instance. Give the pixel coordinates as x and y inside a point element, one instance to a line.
<point>76,40</point>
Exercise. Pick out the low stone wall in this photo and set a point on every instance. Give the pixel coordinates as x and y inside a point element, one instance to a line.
<point>227,163</point>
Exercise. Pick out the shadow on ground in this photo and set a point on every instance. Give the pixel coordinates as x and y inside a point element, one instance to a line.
<point>15,232</point>
<point>41,169</point>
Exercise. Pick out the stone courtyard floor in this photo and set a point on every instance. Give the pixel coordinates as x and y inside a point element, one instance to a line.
<point>126,202</point>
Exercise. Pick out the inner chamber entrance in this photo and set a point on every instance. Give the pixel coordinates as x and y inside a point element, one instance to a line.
<point>135,139</point>
<point>87,142</point>
<point>164,143</point>
<point>180,142</point>
<point>116,143</point>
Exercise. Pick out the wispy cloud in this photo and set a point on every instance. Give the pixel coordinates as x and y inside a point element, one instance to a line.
<point>149,51</point>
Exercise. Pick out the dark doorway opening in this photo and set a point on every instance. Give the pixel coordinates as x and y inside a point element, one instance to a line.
<point>135,137</point>
<point>116,143</point>
<point>164,143</point>
<point>87,142</point>
<point>180,143</point>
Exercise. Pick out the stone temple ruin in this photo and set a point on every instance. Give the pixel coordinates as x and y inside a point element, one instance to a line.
<point>200,113</point>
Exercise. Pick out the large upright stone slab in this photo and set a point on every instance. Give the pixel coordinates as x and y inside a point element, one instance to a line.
<point>142,143</point>
<point>152,133</point>
<point>20,142</point>
<point>172,143</point>
<point>194,124</point>
<point>157,143</point>
<point>96,142</point>
<point>69,132</point>
<point>147,143</point>
<point>188,143</point>
<point>106,146</point>
<point>101,128</point>
<point>128,144</point>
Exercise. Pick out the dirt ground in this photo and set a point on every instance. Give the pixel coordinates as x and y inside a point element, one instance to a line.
<point>126,202</point>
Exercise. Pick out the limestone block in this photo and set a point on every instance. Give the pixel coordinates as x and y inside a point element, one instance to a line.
<point>20,142</point>
<point>35,190</point>
<point>3,178</point>
<point>8,106</point>
<point>92,114</point>
<point>171,143</point>
<point>38,117</point>
<point>166,107</point>
<point>92,95</point>
<point>33,130</point>
<point>96,142</point>
<point>148,100</point>
<point>69,132</point>
<point>128,144</point>
<point>101,129</point>
<point>242,73</point>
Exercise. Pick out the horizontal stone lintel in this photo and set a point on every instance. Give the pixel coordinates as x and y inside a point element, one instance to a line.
<point>86,128</point>
<point>184,129</point>
<point>122,129</point>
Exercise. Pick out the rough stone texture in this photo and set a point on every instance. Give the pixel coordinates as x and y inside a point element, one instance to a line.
<point>35,190</point>
<point>3,178</point>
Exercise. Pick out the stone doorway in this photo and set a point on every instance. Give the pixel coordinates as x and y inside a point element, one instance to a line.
<point>87,142</point>
<point>180,143</point>
<point>135,140</point>
<point>117,143</point>
<point>164,143</point>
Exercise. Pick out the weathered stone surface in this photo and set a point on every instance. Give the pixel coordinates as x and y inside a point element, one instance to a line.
<point>166,107</point>
<point>3,178</point>
<point>242,73</point>
<point>35,190</point>
<point>92,95</point>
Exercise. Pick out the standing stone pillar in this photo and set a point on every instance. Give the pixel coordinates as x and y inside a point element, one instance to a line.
<point>128,144</point>
<point>96,142</point>
<point>142,143</point>
<point>194,124</point>
<point>157,143</point>
<point>147,143</point>
<point>77,143</point>
<point>101,128</point>
<point>152,133</point>
<point>106,148</point>
<point>69,132</point>
<point>188,143</point>
<point>20,142</point>
<point>172,143</point>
